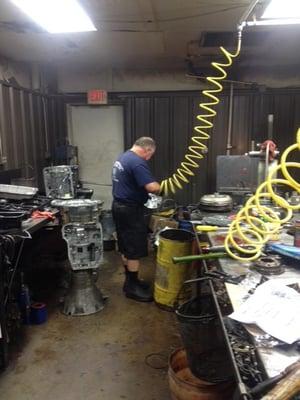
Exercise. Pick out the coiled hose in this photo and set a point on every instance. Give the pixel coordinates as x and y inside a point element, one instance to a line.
<point>197,148</point>
<point>256,223</point>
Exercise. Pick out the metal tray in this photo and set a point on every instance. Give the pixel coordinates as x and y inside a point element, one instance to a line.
<point>17,192</point>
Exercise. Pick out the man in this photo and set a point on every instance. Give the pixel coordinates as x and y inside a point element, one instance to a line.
<point>132,181</point>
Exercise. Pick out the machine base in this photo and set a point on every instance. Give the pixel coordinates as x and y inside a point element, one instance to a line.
<point>84,297</point>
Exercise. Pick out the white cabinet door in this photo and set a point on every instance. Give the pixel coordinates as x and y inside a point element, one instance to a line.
<point>98,133</point>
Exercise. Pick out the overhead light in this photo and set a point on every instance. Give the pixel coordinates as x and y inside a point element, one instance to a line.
<point>277,12</point>
<point>282,9</point>
<point>57,16</point>
<point>279,21</point>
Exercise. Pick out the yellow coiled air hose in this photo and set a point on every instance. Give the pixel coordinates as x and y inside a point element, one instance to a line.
<point>256,223</point>
<point>197,148</point>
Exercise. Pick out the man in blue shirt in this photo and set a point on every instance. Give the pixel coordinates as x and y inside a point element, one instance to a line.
<point>132,181</point>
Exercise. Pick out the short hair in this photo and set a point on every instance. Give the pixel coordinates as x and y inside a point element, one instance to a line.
<point>145,142</point>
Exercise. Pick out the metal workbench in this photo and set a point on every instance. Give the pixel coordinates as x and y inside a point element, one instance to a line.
<point>275,359</point>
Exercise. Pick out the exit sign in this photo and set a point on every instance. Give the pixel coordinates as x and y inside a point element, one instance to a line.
<point>97,96</point>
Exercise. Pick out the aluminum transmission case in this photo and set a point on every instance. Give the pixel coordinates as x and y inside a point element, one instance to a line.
<point>60,181</point>
<point>85,245</point>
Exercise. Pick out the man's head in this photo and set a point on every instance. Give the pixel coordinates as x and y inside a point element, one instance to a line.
<point>145,147</point>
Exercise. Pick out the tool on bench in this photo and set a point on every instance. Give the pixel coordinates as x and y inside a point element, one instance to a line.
<point>285,385</point>
<point>220,275</point>
<point>207,228</point>
<point>224,277</point>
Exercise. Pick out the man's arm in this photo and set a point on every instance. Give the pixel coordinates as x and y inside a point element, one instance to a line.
<point>153,187</point>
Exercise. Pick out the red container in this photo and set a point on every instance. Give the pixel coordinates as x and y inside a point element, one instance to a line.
<point>185,386</point>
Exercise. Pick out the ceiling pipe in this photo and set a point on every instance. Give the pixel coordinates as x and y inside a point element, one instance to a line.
<point>246,14</point>
<point>229,127</point>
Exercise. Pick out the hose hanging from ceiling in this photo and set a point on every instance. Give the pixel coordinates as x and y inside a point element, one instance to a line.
<point>256,223</point>
<point>197,148</point>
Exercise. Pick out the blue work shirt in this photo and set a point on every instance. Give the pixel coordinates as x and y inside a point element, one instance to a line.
<point>130,174</point>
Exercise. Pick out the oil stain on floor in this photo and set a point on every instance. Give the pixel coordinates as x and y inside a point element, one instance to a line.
<point>119,353</point>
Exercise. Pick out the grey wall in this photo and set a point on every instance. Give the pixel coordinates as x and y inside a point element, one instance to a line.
<point>169,117</point>
<point>18,72</point>
<point>72,79</point>
<point>30,124</point>
<point>27,75</point>
<point>272,76</point>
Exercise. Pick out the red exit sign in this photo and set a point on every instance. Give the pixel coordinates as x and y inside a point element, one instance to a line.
<point>97,96</point>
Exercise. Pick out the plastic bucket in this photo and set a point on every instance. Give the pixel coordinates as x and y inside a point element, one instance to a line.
<point>169,277</point>
<point>185,386</point>
<point>203,340</point>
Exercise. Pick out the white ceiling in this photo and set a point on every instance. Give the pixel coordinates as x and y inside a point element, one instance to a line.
<point>136,34</point>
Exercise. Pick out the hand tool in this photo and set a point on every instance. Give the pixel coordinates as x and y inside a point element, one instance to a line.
<point>287,384</point>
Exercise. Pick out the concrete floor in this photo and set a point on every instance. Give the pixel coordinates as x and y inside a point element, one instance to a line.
<point>101,356</point>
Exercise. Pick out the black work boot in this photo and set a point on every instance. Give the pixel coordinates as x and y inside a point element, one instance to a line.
<point>134,290</point>
<point>142,283</point>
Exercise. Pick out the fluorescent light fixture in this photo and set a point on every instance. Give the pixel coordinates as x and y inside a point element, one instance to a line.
<point>283,21</point>
<point>57,16</point>
<point>282,9</point>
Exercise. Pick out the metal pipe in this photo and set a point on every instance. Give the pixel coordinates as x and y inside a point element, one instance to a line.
<point>229,128</point>
<point>45,114</point>
<point>245,16</point>
<point>198,77</point>
<point>270,126</point>
<point>189,259</point>
<point>267,161</point>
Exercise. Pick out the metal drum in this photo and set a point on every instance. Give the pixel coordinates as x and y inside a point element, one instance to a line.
<point>80,211</point>
<point>169,277</point>
<point>216,202</point>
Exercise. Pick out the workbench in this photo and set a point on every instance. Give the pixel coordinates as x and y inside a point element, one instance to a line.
<point>275,359</point>
<point>30,226</point>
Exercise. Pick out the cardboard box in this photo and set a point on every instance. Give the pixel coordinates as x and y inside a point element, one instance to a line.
<point>157,223</point>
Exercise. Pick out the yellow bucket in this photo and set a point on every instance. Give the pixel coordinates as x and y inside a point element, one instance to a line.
<point>169,276</point>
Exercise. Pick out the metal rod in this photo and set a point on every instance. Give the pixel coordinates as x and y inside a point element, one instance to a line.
<point>3,128</point>
<point>270,126</point>
<point>267,161</point>
<point>24,132</point>
<point>15,267</point>
<point>45,115</point>
<point>33,133</point>
<point>241,386</point>
<point>224,80</point>
<point>189,259</point>
<point>229,128</point>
